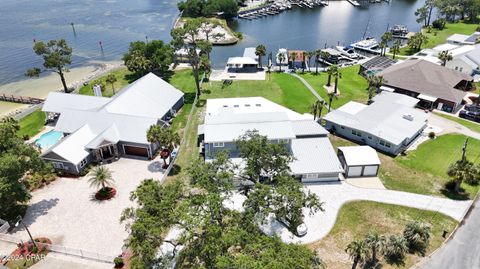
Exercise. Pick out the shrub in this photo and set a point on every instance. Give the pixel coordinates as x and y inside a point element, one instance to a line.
<point>26,137</point>
<point>439,24</point>
<point>238,35</point>
<point>118,261</point>
<point>34,249</point>
<point>431,135</point>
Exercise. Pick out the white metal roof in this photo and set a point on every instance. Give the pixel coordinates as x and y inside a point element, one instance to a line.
<point>314,155</point>
<point>352,108</point>
<point>443,47</point>
<point>387,118</point>
<point>360,155</point>
<point>149,96</point>
<point>231,132</point>
<point>457,38</point>
<point>72,148</point>
<point>241,60</point>
<point>308,128</point>
<point>58,102</point>
<point>250,52</point>
<point>427,97</point>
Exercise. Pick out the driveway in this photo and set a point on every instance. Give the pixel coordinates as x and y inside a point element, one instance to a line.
<point>334,195</point>
<point>66,212</point>
<point>59,261</point>
<point>463,249</point>
<point>449,126</point>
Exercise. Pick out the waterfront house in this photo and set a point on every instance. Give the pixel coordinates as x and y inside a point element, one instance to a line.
<point>436,86</point>
<point>390,124</point>
<point>296,59</point>
<point>465,59</point>
<point>226,119</point>
<point>459,39</point>
<point>181,56</point>
<point>375,65</point>
<point>99,129</point>
<point>242,65</point>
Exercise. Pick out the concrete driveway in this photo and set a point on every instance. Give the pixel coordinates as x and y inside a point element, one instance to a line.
<point>66,212</point>
<point>334,195</point>
<point>463,249</point>
<point>449,126</point>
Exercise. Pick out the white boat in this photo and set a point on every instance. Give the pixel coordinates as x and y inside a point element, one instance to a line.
<point>285,58</point>
<point>348,52</point>
<point>369,45</point>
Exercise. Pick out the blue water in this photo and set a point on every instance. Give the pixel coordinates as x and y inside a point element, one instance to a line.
<point>118,22</point>
<point>47,140</point>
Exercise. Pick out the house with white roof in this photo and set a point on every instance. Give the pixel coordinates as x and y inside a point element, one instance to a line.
<point>390,124</point>
<point>99,129</point>
<point>460,39</point>
<point>226,119</point>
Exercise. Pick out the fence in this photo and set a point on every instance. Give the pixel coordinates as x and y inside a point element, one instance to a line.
<point>95,256</point>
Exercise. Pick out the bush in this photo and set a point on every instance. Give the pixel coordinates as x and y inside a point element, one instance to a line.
<point>439,24</point>
<point>431,135</point>
<point>34,249</point>
<point>450,185</point>
<point>118,261</point>
<point>238,35</point>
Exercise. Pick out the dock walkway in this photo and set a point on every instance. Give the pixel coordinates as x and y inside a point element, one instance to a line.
<point>21,99</point>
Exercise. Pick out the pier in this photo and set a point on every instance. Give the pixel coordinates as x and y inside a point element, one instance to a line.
<point>21,99</point>
<point>354,3</point>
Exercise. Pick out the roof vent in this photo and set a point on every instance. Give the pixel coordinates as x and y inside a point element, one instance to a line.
<point>408,117</point>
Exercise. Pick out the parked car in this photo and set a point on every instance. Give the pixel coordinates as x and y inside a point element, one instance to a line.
<point>301,229</point>
<point>469,115</point>
<point>473,108</point>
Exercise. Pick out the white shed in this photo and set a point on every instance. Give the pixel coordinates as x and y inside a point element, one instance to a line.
<point>359,161</point>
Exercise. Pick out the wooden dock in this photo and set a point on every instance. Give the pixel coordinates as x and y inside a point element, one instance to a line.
<point>21,99</point>
<point>354,3</point>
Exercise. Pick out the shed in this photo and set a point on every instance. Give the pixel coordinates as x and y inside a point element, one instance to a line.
<point>359,161</point>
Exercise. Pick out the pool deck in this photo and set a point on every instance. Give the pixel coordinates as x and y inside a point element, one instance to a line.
<point>46,129</point>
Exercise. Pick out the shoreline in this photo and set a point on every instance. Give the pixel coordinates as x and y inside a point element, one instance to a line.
<point>40,87</point>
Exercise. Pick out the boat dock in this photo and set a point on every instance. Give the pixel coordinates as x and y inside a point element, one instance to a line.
<point>21,99</point>
<point>354,3</point>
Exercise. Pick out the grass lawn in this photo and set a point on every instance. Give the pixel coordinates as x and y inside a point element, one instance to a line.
<point>122,80</point>
<point>467,123</point>
<point>436,37</point>
<point>356,219</point>
<point>477,85</point>
<point>423,171</point>
<point>32,124</point>
<point>280,88</point>
<point>352,86</point>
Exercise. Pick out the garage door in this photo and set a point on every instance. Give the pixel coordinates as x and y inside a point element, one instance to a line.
<point>136,151</point>
<point>354,171</point>
<point>370,170</point>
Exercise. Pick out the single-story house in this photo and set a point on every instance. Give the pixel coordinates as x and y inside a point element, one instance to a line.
<point>99,129</point>
<point>375,65</point>
<point>466,59</point>
<point>181,55</point>
<point>226,119</point>
<point>242,65</point>
<point>459,39</point>
<point>390,124</point>
<point>250,52</point>
<point>435,85</point>
<point>359,161</point>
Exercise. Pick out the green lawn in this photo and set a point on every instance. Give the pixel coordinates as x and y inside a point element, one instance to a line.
<point>280,88</point>
<point>356,219</point>
<point>32,124</point>
<point>467,123</point>
<point>352,86</point>
<point>436,37</point>
<point>122,80</point>
<point>423,171</point>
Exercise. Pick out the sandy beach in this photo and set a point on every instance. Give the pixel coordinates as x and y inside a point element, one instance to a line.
<point>40,87</point>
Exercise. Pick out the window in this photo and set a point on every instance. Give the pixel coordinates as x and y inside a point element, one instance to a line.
<point>385,143</point>
<point>461,69</point>
<point>456,67</point>
<point>258,105</point>
<point>235,105</point>
<point>342,127</point>
<point>369,137</point>
<point>225,105</point>
<point>311,175</point>
<point>83,162</point>
<point>247,105</point>
<point>218,144</point>
<point>57,165</point>
<point>357,133</point>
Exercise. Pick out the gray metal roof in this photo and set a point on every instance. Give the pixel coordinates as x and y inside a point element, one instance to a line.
<point>58,102</point>
<point>427,78</point>
<point>314,155</point>
<point>308,128</point>
<point>387,118</point>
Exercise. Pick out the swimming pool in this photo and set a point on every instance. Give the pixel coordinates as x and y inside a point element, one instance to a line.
<point>48,139</point>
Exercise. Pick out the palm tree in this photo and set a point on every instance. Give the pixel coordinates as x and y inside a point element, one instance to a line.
<point>417,235</point>
<point>305,56</point>
<point>260,51</point>
<point>281,59</point>
<point>293,57</point>
<point>445,56</point>
<point>396,48</point>
<point>397,247</point>
<point>164,137</point>
<point>462,170</point>
<point>332,70</point>
<point>101,176</point>
<point>316,109</point>
<point>374,84</point>
<point>205,66</point>
<point>358,252</point>
<point>337,76</point>
<point>377,243</point>
<point>330,100</point>
<point>386,37</point>
<point>111,79</point>
<point>318,54</point>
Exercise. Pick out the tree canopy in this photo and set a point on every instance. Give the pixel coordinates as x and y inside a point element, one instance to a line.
<point>17,159</point>
<point>212,233</point>
<point>154,56</point>
<point>204,8</point>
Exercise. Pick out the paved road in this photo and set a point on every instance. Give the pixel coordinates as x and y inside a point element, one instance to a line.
<point>463,250</point>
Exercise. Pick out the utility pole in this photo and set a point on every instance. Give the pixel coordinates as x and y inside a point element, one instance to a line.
<point>73,28</point>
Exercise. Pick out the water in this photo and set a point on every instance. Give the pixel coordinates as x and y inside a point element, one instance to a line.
<point>118,22</point>
<point>47,140</point>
